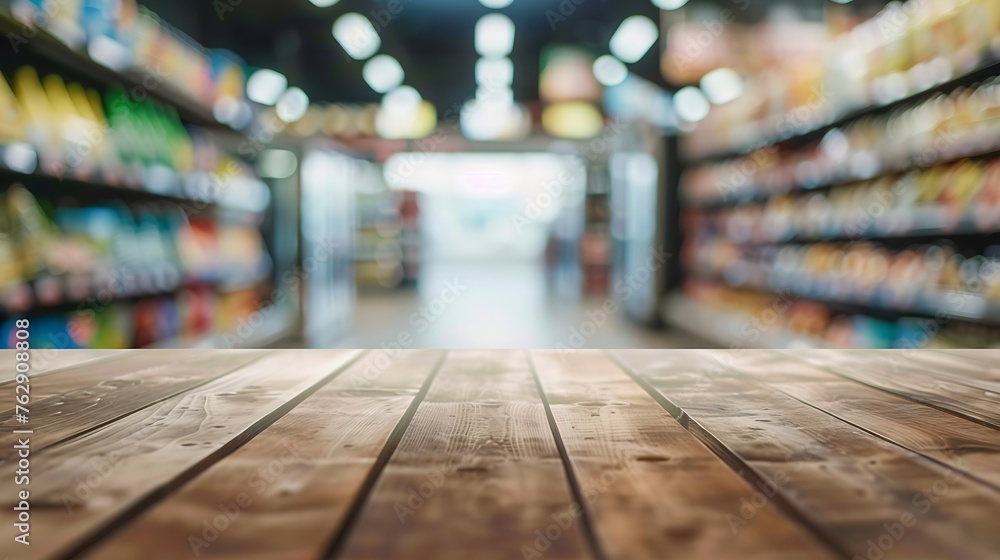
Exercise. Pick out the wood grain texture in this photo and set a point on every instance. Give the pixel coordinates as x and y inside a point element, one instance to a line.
<point>649,485</point>
<point>956,368</point>
<point>46,361</point>
<point>863,494</point>
<point>82,488</point>
<point>289,489</point>
<point>894,373</point>
<point>476,475</point>
<point>960,444</point>
<point>75,411</point>
<point>988,358</point>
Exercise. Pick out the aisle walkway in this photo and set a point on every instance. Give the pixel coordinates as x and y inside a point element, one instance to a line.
<point>499,306</point>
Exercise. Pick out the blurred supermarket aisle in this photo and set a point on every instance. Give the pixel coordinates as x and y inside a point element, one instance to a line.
<point>497,305</point>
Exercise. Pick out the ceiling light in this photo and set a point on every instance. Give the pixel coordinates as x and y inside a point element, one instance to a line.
<point>575,120</point>
<point>691,105</point>
<point>669,4</point>
<point>266,86</point>
<point>722,86</point>
<point>494,36</point>
<point>383,73</point>
<point>292,105</point>
<point>406,122</point>
<point>494,71</point>
<point>324,3</point>
<point>499,94</point>
<point>496,4</point>
<point>356,35</point>
<point>609,71</point>
<point>634,38</point>
<point>482,120</point>
<point>401,100</point>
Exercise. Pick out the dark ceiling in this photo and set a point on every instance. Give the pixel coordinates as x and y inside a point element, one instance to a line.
<point>432,39</point>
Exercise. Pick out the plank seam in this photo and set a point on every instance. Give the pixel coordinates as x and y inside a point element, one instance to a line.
<point>742,469</point>
<point>109,358</point>
<point>129,514</point>
<point>572,480</point>
<point>895,392</point>
<point>353,514</point>
<point>918,454</point>
<point>157,401</point>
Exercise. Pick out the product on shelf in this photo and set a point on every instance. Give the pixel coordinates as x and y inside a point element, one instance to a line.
<point>960,197</point>
<point>927,279</point>
<point>125,37</point>
<point>937,131</point>
<point>785,320</point>
<point>123,141</point>
<point>908,48</point>
<point>97,255</point>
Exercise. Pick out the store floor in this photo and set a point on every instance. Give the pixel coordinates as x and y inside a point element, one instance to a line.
<point>509,305</point>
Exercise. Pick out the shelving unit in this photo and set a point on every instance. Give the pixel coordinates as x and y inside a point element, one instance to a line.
<point>731,226</point>
<point>988,67</point>
<point>166,305</point>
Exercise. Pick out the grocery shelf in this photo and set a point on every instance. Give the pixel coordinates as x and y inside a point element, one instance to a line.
<point>950,304</point>
<point>274,326</point>
<point>912,224</point>
<point>725,328</point>
<point>989,66</point>
<point>36,180</point>
<point>71,293</point>
<point>760,196</point>
<point>80,63</point>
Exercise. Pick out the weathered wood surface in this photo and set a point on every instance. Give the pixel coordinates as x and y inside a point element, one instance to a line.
<point>508,454</point>
<point>851,487</point>
<point>629,454</point>
<point>285,492</point>
<point>86,486</point>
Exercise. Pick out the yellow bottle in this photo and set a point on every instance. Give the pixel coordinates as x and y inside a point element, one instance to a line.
<point>95,132</point>
<point>73,145</point>
<point>36,113</point>
<point>10,115</point>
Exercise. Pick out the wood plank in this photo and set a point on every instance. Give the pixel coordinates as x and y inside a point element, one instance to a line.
<point>891,374</point>
<point>90,374</point>
<point>930,364</point>
<point>476,475</point>
<point>314,461</point>
<point>61,416</point>
<point>988,358</point>
<point>960,444</point>
<point>84,487</point>
<point>958,368</point>
<point>46,361</point>
<point>651,486</point>
<point>869,497</point>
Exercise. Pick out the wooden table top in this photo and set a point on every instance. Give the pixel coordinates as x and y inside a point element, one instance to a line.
<point>478,455</point>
